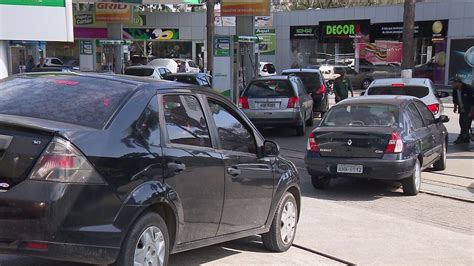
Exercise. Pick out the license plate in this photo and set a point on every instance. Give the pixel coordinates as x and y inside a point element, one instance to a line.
<point>350,168</point>
<point>268,105</point>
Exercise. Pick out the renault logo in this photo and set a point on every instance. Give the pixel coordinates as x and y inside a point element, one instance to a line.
<point>349,142</point>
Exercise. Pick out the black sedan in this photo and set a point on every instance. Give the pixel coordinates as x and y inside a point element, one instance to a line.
<point>103,169</point>
<point>377,137</point>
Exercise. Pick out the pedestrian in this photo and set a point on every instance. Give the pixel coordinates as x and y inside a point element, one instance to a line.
<point>182,67</point>
<point>30,65</point>
<point>41,63</point>
<point>342,86</point>
<point>463,98</point>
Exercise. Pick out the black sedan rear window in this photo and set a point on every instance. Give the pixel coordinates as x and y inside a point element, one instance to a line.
<point>415,91</point>
<point>269,89</point>
<point>141,72</point>
<point>311,81</point>
<point>77,100</point>
<point>362,115</point>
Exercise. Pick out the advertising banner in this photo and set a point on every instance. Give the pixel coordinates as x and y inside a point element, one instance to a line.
<point>113,12</point>
<point>151,34</point>
<point>267,44</point>
<point>245,7</point>
<point>461,62</point>
<point>84,19</point>
<point>435,29</point>
<point>381,52</point>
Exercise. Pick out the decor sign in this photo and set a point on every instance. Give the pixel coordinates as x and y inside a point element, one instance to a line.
<point>348,31</point>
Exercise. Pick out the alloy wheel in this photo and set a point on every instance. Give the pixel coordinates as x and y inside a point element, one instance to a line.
<point>288,222</point>
<point>150,249</point>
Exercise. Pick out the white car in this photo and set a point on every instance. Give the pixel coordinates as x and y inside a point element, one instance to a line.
<point>165,62</point>
<point>53,61</point>
<point>148,71</point>
<point>267,69</point>
<point>421,88</point>
<point>191,67</point>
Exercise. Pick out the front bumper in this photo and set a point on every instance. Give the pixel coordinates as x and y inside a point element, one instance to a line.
<point>386,168</point>
<point>75,221</point>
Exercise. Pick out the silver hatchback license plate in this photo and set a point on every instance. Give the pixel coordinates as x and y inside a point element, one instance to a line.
<point>350,168</point>
<point>268,105</point>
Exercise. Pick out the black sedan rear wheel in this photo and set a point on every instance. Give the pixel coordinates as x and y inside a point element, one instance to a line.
<point>301,129</point>
<point>320,182</point>
<point>283,229</point>
<point>412,184</point>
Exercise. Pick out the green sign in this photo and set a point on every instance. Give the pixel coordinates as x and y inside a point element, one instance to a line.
<point>86,47</point>
<point>267,45</point>
<point>55,3</point>
<point>342,29</point>
<point>222,46</point>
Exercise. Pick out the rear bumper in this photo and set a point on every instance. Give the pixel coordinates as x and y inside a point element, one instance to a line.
<point>274,117</point>
<point>76,221</point>
<point>386,168</point>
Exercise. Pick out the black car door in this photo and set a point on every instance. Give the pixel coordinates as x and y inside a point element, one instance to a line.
<point>421,132</point>
<point>437,137</point>
<point>193,168</point>
<point>248,178</point>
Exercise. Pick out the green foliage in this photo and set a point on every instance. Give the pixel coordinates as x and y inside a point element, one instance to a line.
<point>314,4</point>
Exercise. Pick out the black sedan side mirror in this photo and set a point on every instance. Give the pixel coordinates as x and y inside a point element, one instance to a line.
<point>442,119</point>
<point>443,94</point>
<point>270,148</point>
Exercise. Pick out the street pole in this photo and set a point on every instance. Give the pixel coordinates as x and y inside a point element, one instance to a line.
<point>408,34</point>
<point>210,33</point>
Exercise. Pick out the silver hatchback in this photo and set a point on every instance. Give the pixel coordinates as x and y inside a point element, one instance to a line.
<point>278,101</point>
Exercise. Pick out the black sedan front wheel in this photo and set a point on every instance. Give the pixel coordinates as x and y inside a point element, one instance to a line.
<point>283,229</point>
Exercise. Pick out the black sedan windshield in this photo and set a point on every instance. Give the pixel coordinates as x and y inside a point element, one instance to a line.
<point>362,115</point>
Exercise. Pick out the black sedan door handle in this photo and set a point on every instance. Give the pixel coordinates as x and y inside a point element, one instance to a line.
<point>176,167</point>
<point>233,171</point>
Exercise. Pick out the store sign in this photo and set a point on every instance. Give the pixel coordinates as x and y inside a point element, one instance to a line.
<point>303,32</point>
<point>84,19</point>
<point>57,3</point>
<point>461,62</point>
<point>435,29</point>
<point>151,34</point>
<point>245,8</point>
<point>86,47</point>
<point>344,31</point>
<point>113,12</point>
<point>222,46</point>
<point>267,44</point>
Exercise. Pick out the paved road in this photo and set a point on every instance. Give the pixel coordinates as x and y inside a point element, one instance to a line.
<point>363,222</point>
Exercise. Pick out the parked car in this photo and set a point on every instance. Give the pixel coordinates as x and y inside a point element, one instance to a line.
<point>51,69</point>
<point>423,89</point>
<point>190,66</point>
<point>378,137</point>
<point>267,69</point>
<point>149,71</point>
<point>315,85</point>
<point>127,170</point>
<point>165,62</point>
<point>53,61</point>
<point>362,79</point>
<point>278,101</point>
<point>200,79</point>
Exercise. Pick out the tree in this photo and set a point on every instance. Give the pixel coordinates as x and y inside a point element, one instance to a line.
<point>314,4</point>
<point>210,32</point>
<point>408,34</point>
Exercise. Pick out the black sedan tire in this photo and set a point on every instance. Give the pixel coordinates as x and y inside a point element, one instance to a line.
<point>301,129</point>
<point>412,184</point>
<point>320,182</point>
<point>310,121</point>
<point>440,164</point>
<point>283,229</point>
<point>147,242</point>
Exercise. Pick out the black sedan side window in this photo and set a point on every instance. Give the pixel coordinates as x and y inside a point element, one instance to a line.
<point>425,113</point>
<point>415,116</point>
<point>233,135</point>
<point>185,122</point>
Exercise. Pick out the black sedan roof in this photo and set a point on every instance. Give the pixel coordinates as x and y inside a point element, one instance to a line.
<point>381,99</point>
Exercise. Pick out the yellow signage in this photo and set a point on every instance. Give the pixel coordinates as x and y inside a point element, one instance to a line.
<point>113,12</point>
<point>245,8</point>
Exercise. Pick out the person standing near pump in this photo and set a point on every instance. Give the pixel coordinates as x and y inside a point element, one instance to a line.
<point>463,98</point>
<point>41,63</point>
<point>342,86</point>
